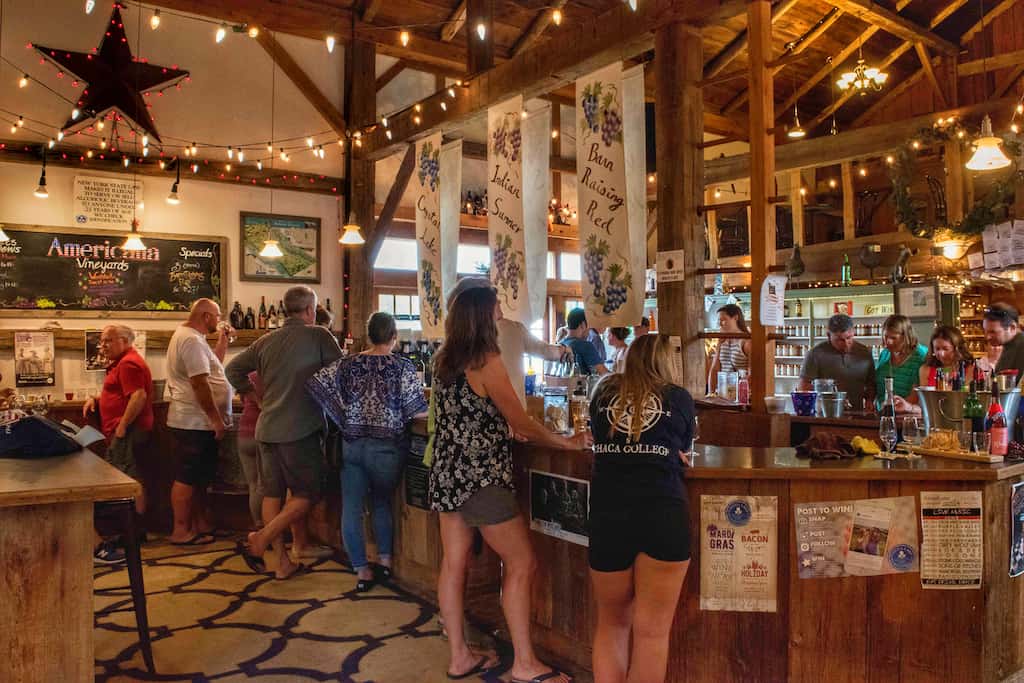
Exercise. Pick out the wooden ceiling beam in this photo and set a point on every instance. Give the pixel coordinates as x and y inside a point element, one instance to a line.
<point>848,145</point>
<point>929,72</point>
<point>303,82</point>
<point>993,63</point>
<point>737,45</point>
<point>372,7</point>
<point>478,152</point>
<point>617,34</point>
<point>989,17</point>
<point>540,24</point>
<point>1004,86</point>
<point>456,20</point>
<point>891,22</point>
<point>390,75</point>
<point>387,212</point>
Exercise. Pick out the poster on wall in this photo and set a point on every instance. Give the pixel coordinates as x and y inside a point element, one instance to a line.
<point>518,187</point>
<point>610,144</point>
<point>95,361</point>
<point>739,553</point>
<point>773,296</point>
<point>856,537</point>
<point>101,202</point>
<point>951,543</point>
<point>560,506</point>
<point>298,238</point>
<point>34,364</point>
<point>437,223</point>
<point>1017,530</point>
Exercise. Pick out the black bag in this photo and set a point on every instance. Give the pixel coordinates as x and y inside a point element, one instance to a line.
<point>34,436</point>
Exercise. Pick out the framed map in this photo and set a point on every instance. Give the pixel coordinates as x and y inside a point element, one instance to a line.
<point>297,236</point>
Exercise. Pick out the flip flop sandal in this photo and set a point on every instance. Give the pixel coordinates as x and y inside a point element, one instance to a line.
<point>300,569</point>
<point>256,564</point>
<point>549,676</point>
<point>198,539</point>
<point>479,669</point>
<point>220,533</point>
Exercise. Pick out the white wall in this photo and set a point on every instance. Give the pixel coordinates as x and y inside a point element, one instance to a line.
<point>208,209</point>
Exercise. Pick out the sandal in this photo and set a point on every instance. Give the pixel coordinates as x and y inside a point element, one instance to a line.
<point>549,676</point>
<point>384,572</point>
<point>480,668</point>
<point>256,564</point>
<point>365,585</point>
<point>198,539</point>
<point>300,569</point>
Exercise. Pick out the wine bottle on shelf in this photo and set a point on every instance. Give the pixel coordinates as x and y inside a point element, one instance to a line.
<point>997,426</point>
<point>236,317</point>
<point>249,322</point>
<point>280,313</point>
<point>328,306</point>
<point>261,319</point>
<point>845,276</point>
<point>799,309</point>
<point>272,317</point>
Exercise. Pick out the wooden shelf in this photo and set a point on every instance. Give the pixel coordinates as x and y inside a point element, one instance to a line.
<point>156,340</point>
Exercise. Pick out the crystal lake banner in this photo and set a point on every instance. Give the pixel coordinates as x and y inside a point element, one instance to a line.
<point>439,177</point>
<point>518,188</point>
<point>610,165</point>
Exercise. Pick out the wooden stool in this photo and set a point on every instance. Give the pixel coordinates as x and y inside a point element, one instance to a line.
<point>122,514</point>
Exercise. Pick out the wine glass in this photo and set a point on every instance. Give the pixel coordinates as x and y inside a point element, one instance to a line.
<point>912,431</point>
<point>696,435</point>
<point>887,432</point>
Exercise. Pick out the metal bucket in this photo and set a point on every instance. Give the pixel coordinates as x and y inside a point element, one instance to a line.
<point>832,403</point>
<point>945,409</point>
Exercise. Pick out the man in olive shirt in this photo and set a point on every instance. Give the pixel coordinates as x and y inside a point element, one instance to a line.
<point>840,358</point>
<point>1003,329</point>
<point>290,426</point>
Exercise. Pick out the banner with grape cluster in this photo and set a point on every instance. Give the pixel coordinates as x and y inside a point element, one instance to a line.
<point>518,186</point>
<point>610,174</point>
<point>433,278</point>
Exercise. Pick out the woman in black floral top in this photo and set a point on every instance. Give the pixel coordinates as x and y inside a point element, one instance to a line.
<point>476,413</point>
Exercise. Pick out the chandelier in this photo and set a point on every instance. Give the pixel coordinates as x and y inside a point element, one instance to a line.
<point>863,77</point>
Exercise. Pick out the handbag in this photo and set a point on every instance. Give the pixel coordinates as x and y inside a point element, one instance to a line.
<point>34,436</point>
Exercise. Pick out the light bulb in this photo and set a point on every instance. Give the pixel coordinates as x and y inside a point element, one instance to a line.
<point>100,125</point>
<point>259,165</point>
<point>403,38</point>
<point>14,128</point>
<point>388,134</point>
<point>330,40</point>
<point>194,149</point>
<point>554,134</point>
<point>863,172</point>
<point>444,106</point>
<point>231,153</point>
<point>632,4</point>
<point>222,31</point>
<point>451,92</point>
<point>481,30</point>
<point>270,148</point>
<point>227,167</point>
<point>650,178</point>
<point>890,160</point>
<point>60,135</point>
<point>23,82</point>
<point>556,17</point>
<point>418,107</point>
<point>254,31</point>
<point>384,121</point>
<point>21,122</point>
<point>1020,108</point>
<point>145,141</point>
<point>195,169</point>
<point>3,235</point>
<point>415,119</point>
<point>832,183</point>
<point>133,243</point>
<point>241,155</point>
<point>163,165</point>
<point>90,5</point>
<point>145,151</point>
<point>915,144</point>
<point>718,193</point>
<point>154,21</point>
<point>141,206</point>
<point>89,154</point>
<point>172,198</point>
<point>51,143</point>
<point>125,161</point>
<point>103,144</point>
<point>309,142</point>
<point>75,113</point>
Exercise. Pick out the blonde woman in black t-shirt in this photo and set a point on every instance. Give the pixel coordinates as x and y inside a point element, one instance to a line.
<point>643,427</point>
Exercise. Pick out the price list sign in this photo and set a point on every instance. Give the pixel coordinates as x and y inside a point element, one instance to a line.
<point>951,544</point>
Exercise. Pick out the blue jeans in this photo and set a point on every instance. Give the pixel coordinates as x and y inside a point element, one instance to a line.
<point>371,466</point>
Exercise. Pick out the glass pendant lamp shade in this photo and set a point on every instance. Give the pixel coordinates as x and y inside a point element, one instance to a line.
<point>351,234</point>
<point>271,250</point>
<point>988,155</point>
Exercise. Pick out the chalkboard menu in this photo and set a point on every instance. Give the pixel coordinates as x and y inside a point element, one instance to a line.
<point>48,270</point>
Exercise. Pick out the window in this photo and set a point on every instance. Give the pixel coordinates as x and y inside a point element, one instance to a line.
<point>405,308</point>
<point>397,254</point>
<point>552,270</point>
<point>531,362</point>
<point>571,304</point>
<point>472,258</point>
<point>570,266</point>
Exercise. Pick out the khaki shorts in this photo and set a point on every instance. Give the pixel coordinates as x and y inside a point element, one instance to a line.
<point>121,452</point>
<point>293,465</point>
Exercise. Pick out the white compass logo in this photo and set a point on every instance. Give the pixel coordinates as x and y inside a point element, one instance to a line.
<point>620,415</point>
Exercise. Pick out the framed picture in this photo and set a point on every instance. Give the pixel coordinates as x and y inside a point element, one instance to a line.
<point>918,301</point>
<point>298,238</point>
<point>844,307</point>
<point>560,506</point>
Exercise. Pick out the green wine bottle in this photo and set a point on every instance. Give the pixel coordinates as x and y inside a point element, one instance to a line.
<point>845,275</point>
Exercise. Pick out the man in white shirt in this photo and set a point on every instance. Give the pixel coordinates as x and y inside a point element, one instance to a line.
<point>198,414</point>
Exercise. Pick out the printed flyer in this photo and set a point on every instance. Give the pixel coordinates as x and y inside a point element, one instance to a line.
<point>856,537</point>
<point>1017,530</point>
<point>34,364</point>
<point>951,543</point>
<point>560,507</point>
<point>739,553</point>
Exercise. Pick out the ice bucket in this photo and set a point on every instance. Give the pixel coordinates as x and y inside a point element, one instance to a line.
<point>945,409</point>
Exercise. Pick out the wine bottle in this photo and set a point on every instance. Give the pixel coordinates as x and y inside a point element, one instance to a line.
<point>845,275</point>
<point>280,313</point>
<point>889,407</point>
<point>329,309</point>
<point>237,318</point>
<point>249,322</point>
<point>973,412</point>
<point>799,309</point>
<point>261,320</point>
<point>997,426</point>
<point>272,318</point>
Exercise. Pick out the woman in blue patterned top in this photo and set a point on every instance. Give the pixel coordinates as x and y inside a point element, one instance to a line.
<point>372,396</point>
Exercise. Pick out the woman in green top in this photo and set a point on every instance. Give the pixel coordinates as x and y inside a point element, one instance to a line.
<point>901,359</point>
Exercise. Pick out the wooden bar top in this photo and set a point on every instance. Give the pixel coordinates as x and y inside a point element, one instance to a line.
<point>740,462</point>
<point>80,476</point>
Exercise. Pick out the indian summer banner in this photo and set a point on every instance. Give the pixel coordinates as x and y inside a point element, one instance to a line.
<point>610,144</point>
<point>436,228</point>
<point>518,187</point>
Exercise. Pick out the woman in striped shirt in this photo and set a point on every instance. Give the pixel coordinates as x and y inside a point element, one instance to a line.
<point>732,355</point>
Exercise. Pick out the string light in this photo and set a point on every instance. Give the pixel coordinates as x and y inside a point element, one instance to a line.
<point>832,183</point>
<point>51,143</point>
<point>89,153</point>
<point>556,17</point>
<point>227,167</point>
<point>90,5</point>
<point>444,106</point>
<point>481,30</point>
<point>254,31</point>
<point>259,165</point>
<point>388,134</point>
<point>270,148</point>
<point>718,193</point>
<point>309,142</point>
<point>145,151</point>
<point>125,161</point>
<point>241,155</point>
<point>14,128</point>
<point>284,155</point>
<point>384,121</point>
<point>320,152</point>
<point>890,160</point>
<point>60,135</point>
<point>163,165</point>
<point>145,141</point>
<point>403,38</point>
<point>863,172</point>
<point>23,81</point>
<point>330,40</point>
<point>154,21</point>
<point>803,191</point>
<point>415,119</point>
<point>418,107</point>
<point>222,31</point>
<point>100,125</point>
<point>21,122</point>
<point>650,178</point>
<point>103,144</point>
<point>75,114</point>
<point>231,153</point>
<point>195,169</point>
<point>193,149</point>
<point>554,134</point>
<point>915,144</point>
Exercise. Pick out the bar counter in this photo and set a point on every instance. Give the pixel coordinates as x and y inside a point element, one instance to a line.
<point>878,628</point>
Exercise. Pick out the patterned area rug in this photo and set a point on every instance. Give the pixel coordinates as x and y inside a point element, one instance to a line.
<point>212,619</point>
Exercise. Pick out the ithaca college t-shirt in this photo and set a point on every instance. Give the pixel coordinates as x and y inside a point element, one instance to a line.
<point>649,467</point>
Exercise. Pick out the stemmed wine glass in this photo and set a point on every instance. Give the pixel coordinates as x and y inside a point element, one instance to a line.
<point>887,432</point>
<point>912,430</point>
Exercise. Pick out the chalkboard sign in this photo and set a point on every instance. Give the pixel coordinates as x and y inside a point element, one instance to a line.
<point>67,271</point>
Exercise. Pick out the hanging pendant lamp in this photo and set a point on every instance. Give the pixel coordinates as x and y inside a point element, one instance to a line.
<point>351,234</point>
<point>988,155</point>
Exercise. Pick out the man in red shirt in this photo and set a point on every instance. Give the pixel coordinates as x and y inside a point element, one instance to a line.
<point>125,403</point>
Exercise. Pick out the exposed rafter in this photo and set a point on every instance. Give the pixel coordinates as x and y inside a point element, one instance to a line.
<point>303,82</point>
<point>540,24</point>
<point>390,75</point>
<point>738,44</point>
<point>892,22</point>
<point>929,72</point>
<point>455,22</point>
<point>387,212</point>
<point>372,7</point>
<point>990,16</point>
<point>993,63</point>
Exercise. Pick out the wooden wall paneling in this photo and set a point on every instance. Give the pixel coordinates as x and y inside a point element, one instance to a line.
<point>762,187</point>
<point>1003,642</point>
<point>769,660</point>
<point>827,617</point>
<point>680,185</point>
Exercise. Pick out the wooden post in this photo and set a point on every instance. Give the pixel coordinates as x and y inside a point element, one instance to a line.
<point>360,110</point>
<point>711,221</point>
<point>679,119</point>
<point>955,172</point>
<point>762,185</point>
<point>479,53</point>
<point>556,150</point>
<point>849,196</point>
<point>796,202</point>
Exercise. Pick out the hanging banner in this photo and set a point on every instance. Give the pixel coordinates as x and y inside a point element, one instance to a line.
<point>739,553</point>
<point>34,364</point>
<point>610,148</point>
<point>856,537</point>
<point>451,212</point>
<point>952,539</point>
<point>518,188</point>
<point>433,233</point>
<point>101,202</point>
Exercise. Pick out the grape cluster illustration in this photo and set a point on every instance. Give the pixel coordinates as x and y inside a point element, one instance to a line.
<point>507,139</point>
<point>507,266</point>
<point>609,286</point>
<point>617,290</point>
<point>430,165</point>
<point>593,262</point>
<point>431,291</point>
<point>601,113</point>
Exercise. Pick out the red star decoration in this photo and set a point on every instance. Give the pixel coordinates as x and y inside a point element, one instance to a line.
<point>116,79</point>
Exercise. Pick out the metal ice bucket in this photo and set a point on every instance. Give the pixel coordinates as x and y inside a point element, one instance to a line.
<point>945,409</point>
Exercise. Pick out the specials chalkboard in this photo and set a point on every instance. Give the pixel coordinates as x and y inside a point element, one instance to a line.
<point>55,271</point>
